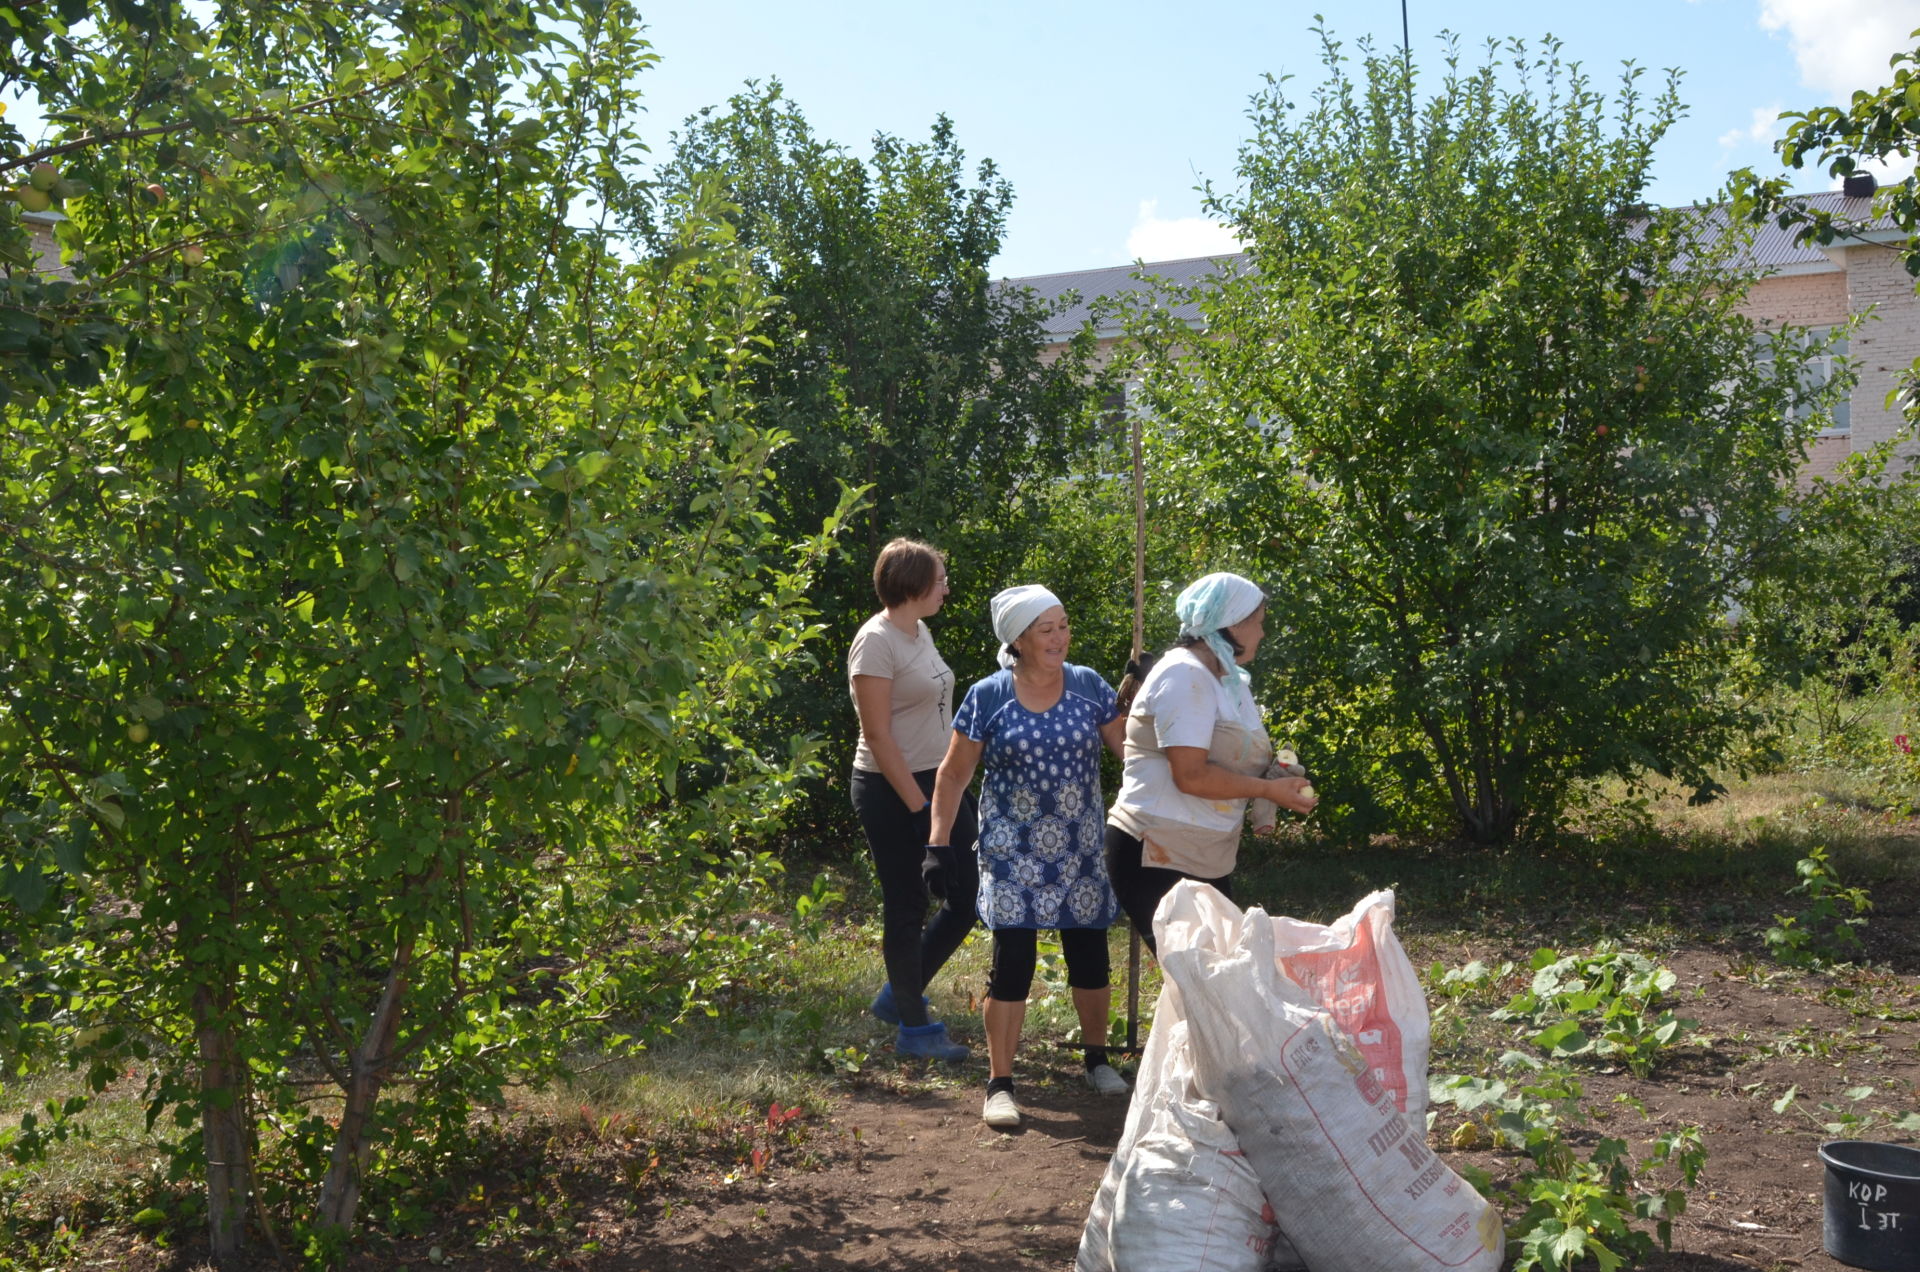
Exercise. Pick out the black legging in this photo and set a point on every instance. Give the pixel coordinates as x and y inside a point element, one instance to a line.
<point>898,841</point>
<point>1140,887</point>
<point>1016,950</point>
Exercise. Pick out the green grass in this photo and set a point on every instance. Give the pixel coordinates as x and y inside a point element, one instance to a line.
<point>111,1168</point>
<point>1643,868</point>
<point>1651,863</point>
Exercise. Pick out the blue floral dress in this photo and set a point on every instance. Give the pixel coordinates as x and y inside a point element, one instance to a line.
<point>1042,839</point>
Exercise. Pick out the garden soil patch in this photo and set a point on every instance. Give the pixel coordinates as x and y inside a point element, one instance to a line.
<point>913,1180</point>
<point>924,1185</point>
<point>901,1174</point>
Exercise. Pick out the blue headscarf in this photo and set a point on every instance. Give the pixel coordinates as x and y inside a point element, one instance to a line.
<point>1216,601</point>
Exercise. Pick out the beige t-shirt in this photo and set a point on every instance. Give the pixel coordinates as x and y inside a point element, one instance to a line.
<point>1181,703</point>
<point>922,691</point>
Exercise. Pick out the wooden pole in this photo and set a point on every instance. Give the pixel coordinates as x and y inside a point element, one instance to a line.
<point>1139,648</point>
<point>1406,64</point>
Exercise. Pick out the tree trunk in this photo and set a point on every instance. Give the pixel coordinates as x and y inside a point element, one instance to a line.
<point>1490,825</point>
<point>1490,817</point>
<point>224,1120</point>
<point>367,1072</point>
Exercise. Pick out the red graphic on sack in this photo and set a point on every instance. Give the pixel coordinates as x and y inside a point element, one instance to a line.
<point>1370,1088</point>
<point>1347,983</point>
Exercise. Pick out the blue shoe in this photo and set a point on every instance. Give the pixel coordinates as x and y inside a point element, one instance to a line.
<point>883,1008</point>
<point>930,1042</point>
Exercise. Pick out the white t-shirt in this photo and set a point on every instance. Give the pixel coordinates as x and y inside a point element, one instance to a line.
<point>1185,701</point>
<point>922,714</point>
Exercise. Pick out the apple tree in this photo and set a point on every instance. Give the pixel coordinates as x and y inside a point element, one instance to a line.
<point>1495,431</point>
<point>378,620</point>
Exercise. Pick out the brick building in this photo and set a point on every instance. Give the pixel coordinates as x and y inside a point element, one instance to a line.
<point>1824,287</point>
<point>46,248</point>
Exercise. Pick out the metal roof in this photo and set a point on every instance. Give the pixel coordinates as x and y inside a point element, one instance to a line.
<point>1774,250</point>
<point>1118,282</point>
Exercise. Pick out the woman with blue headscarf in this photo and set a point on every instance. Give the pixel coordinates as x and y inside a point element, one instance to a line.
<point>1038,726</point>
<point>1196,751</point>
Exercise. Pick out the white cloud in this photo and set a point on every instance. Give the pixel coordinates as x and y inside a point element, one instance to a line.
<point>1763,129</point>
<point>1887,171</point>
<point>1155,239</point>
<point>1842,45</point>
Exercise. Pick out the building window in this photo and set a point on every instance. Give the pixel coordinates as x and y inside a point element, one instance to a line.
<point>1815,373</point>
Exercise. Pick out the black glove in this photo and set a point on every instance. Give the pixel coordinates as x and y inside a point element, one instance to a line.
<point>938,869</point>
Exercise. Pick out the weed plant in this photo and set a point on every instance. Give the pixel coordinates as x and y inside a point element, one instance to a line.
<point>1607,1004</point>
<point>1825,932</point>
<point>1849,1117</point>
<point>1572,1206</point>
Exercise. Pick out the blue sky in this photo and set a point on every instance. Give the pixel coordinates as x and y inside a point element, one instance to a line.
<point>1105,116</point>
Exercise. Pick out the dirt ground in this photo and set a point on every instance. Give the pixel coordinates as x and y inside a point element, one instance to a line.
<point>901,1174</point>
<point>926,1185</point>
<point>909,1178</point>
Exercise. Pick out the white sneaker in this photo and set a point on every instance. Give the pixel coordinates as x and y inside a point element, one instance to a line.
<point>1001,1112</point>
<point>1106,1080</point>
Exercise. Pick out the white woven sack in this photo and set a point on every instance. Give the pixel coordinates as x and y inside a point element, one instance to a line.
<point>1178,1193</point>
<point>1350,1179</point>
<point>1357,969</point>
<point>1188,1201</point>
<point>1165,1072</point>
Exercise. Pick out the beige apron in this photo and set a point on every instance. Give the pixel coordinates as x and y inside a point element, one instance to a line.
<point>1194,850</point>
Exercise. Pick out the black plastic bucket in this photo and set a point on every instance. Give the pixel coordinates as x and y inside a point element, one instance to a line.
<point>1872,1217</point>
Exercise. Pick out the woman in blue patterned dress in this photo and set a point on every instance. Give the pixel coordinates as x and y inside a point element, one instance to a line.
<point>1038,725</point>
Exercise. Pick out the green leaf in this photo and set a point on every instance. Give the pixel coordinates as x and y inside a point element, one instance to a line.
<point>25,884</point>
<point>70,849</point>
<point>591,465</point>
<point>1564,1248</point>
<point>1564,1038</point>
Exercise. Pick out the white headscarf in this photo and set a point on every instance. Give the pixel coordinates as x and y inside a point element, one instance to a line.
<point>1014,611</point>
<point>1216,601</point>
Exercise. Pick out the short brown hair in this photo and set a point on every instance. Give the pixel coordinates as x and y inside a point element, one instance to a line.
<point>906,570</point>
